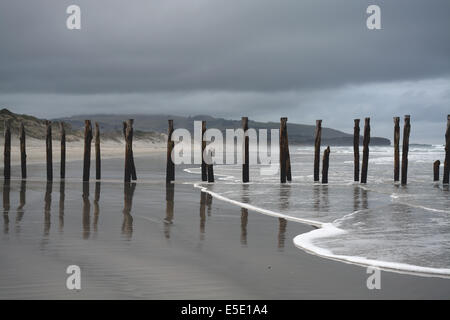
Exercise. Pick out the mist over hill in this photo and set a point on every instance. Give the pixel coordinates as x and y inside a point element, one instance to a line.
<point>154,127</point>
<point>298,133</point>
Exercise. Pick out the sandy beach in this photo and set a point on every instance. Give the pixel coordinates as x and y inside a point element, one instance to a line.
<point>149,242</point>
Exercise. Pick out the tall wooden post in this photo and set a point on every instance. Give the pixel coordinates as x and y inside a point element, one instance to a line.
<point>396,149</point>
<point>130,137</point>
<point>204,167</point>
<point>366,141</point>
<point>23,152</point>
<point>130,170</point>
<point>317,149</point>
<point>97,152</point>
<point>445,179</point>
<point>325,164</point>
<point>245,165</point>
<point>210,167</point>
<point>436,166</point>
<point>87,150</point>
<point>49,150</point>
<point>170,169</point>
<point>283,153</point>
<point>356,150</point>
<point>288,156</point>
<point>63,151</point>
<point>405,149</point>
<point>7,152</point>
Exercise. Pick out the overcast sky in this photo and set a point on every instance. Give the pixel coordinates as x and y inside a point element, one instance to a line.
<point>306,60</point>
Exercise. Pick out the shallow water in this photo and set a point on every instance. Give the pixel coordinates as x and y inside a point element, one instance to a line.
<point>381,223</point>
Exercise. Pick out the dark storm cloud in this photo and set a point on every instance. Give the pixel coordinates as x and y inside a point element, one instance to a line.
<point>305,59</point>
<point>252,45</point>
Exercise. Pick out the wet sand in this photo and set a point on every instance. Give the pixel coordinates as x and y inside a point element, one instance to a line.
<point>146,241</point>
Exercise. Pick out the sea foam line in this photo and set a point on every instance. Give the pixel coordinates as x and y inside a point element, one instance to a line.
<point>305,242</point>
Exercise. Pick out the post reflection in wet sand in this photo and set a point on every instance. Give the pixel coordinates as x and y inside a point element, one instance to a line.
<point>47,207</point>
<point>62,197</point>
<point>202,214</point>
<point>22,201</point>
<point>170,191</point>
<point>208,204</point>
<point>364,202</point>
<point>244,221</point>
<point>127,225</point>
<point>96,205</point>
<point>281,233</point>
<point>244,215</point>
<point>6,205</point>
<point>86,221</point>
<point>320,198</point>
<point>356,201</point>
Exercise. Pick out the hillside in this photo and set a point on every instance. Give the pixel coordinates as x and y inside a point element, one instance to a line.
<point>298,133</point>
<point>36,128</point>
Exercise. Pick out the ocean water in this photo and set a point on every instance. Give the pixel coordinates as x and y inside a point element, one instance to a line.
<point>382,224</point>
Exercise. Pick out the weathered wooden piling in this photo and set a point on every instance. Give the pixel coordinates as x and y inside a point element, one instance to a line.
<point>204,166</point>
<point>366,141</point>
<point>87,150</point>
<point>7,152</point>
<point>62,169</point>
<point>436,166</point>
<point>23,152</point>
<point>285,161</point>
<point>130,169</point>
<point>97,152</point>
<point>245,165</point>
<point>130,137</point>
<point>445,178</point>
<point>49,150</point>
<point>325,164</point>
<point>170,168</point>
<point>405,149</point>
<point>356,150</point>
<point>396,149</point>
<point>210,167</point>
<point>317,139</point>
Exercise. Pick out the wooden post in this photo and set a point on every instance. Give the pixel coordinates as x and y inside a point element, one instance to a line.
<point>7,152</point>
<point>396,149</point>
<point>130,137</point>
<point>366,141</point>
<point>288,156</point>
<point>49,150</point>
<point>245,165</point>
<point>130,169</point>
<point>356,150</point>
<point>325,164</point>
<point>23,153</point>
<point>445,179</point>
<point>97,152</point>
<point>283,154</point>
<point>204,169</point>
<point>317,149</point>
<point>436,166</point>
<point>170,169</point>
<point>405,149</point>
<point>87,150</point>
<point>63,151</point>
<point>210,167</point>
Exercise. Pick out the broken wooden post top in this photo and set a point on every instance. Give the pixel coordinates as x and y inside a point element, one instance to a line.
<point>318,122</point>
<point>407,117</point>
<point>437,162</point>
<point>61,125</point>
<point>356,121</point>
<point>96,125</point>
<point>396,119</point>
<point>283,118</point>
